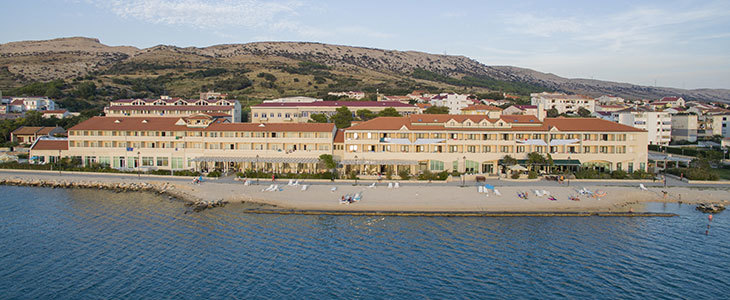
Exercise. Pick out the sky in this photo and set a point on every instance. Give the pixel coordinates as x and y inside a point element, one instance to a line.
<point>682,44</point>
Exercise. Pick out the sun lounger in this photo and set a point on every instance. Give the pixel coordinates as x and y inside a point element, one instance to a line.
<point>333,189</point>
<point>496,192</point>
<point>291,182</point>
<point>390,185</point>
<point>304,187</point>
<point>397,185</point>
<point>296,183</point>
<point>480,189</point>
<point>642,187</point>
<point>371,185</point>
<point>538,193</point>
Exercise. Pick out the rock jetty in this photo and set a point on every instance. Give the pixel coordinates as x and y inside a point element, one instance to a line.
<point>165,189</point>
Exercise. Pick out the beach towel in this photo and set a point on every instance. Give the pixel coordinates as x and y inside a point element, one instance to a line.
<point>489,186</point>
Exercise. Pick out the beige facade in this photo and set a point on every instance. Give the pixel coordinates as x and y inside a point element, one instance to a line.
<point>174,108</point>
<point>301,112</point>
<point>199,143</point>
<point>477,144</point>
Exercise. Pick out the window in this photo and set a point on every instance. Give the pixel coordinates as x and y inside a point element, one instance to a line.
<point>162,162</point>
<point>453,149</point>
<point>404,148</point>
<point>177,163</point>
<point>586,149</point>
<point>504,149</point>
<point>486,149</point>
<point>437,165</point>
<point>520,149</point>
<point>471,149</point>
<point>604,149</point>
<point>148,161</point>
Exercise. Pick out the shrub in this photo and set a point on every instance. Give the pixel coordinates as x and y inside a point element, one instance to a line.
<point>352,175</point>
<point>641,174</point>
<point>532,175</point>
<point>389,174</point>
<point>404,175</point>
<point>215,173</point>
<point>693,173</point>
<point>619,174</point>
<point>443,175</point>
<point>426,175</point>
<point>515,175</point>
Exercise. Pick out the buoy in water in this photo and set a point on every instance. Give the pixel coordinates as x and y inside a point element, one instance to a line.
<point>709,217</point>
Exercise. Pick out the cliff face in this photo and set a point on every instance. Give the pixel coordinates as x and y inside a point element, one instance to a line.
<point>66,58</point>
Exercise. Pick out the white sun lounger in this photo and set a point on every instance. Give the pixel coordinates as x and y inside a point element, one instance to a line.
<point>291,182</point>
<point>390,185</point>
<point>372,185</point>
<point>545,193</point>
<point>496,192</point>
<point>480,189</point>
<point>304,187</point>
<point>333,189</point>
<point>642,187</point>
<point>397,185</point>
<point>538,193</point>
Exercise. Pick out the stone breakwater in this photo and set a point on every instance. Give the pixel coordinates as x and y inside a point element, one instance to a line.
<point>163,189</point>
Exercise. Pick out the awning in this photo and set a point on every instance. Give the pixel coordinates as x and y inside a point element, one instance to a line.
<point>662,157</point>
<point>557,162</point>
<point>302,160</point>
<point>533,142</point>
<point>398,162</point>
<point>408,142</point>
<point>558,142</point>
<point>517,168</point>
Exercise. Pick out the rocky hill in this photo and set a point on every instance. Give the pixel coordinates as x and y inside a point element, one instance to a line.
<point>272,69</point>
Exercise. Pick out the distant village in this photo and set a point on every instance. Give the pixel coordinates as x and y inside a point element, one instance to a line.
<point>413,133</point>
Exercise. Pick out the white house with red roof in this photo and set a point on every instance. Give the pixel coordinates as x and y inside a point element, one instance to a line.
<point>668,102</point>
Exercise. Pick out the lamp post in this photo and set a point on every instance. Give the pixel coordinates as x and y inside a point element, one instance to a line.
<point>257,169</point>
<point>463,178</point>
<point>139,162</point>
<point>358,168</point>
<point>58,163</point>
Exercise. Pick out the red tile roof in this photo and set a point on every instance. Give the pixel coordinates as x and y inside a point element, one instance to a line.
<point>482,107</point>
<point>44,144</point>
<point>168,124</point>
<point>338,104</point>
<point>172,107</point>
<point>340,136</point>
<point>57,111</point>
<point>28,130</point>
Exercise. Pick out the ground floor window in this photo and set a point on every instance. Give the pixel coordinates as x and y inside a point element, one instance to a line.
<point>472,166</point>
<point>105,161</point>
<point>148,161</point>
<point>437,165</point>
<point>631,167</point>
<point>177,163</point>
<point>162,162</point>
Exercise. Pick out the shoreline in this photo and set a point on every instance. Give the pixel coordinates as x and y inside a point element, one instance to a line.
<point>406,200</point>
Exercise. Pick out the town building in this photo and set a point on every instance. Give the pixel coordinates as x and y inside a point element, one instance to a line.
<point>28,134</point>
<point>57,113</point>
<point>477,144</point>
<point>658,124</point>
<point>563,103</point>
<point>483,110</point>
<point>530,110</point>
<point>24,104</point>
<point>402,99</point>
<point>301,112</point>
<point>684,127</point>
<point>357,95</point>
<point>668,102</point>
<point>455,102</point>
<point>211,95</point>
<point>609,100</point>
<point>713,124</point>
<point>174,108</point>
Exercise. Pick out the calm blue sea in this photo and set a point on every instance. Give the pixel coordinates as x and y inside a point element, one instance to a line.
<point>83,244</point>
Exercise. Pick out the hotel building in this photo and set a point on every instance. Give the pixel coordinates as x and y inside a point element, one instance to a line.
<point>476,144</point>
<point>563,103</point>
<point>174,108</point>
<point>301,112</point>
<point>415,143</point>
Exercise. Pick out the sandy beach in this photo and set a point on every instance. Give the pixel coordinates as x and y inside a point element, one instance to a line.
<point>410,196</point>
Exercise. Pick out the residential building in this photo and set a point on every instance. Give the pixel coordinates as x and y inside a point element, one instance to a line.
<point>563,103</point>
<point>174,108</point>
<point>609,100</point>
<point>667,102</point>
<point>28,134</point>
<point>58,114</point>
<point>609,108</point>
<point>23,104</point>
<point>455,102</point>
<point>481,109</point>
<point>47,149</point>
<point>357,95</point>
<point>530,110</point>
<point>402,99</point>
<point>210,95</point>
<point>684,127</point>
<point>301,112</point>
<point>199,142</point>
<point>658,124</point>
<point>477,144</point>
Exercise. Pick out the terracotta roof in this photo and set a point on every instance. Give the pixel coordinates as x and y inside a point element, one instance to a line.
<point>43,144</point>
<point>172,107</point>
<point>423,105</point>
<point>171,100</point>
<point>339,103</point>
<point>588,124</point>
<point>520,121</point>
<point>340,136</point>
<point>27,130</point>
<point>482,107</point>
<point>168,124</point>
<point>523,107</point>
<point>17,102</point>
<point>57,111</point>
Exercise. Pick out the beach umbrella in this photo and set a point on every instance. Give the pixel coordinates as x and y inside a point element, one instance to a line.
<point>489,186</point>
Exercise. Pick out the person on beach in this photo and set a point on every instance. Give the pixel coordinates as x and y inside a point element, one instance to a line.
<point>273,177</point>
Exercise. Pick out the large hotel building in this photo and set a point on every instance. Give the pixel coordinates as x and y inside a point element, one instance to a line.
<point>465,143</point>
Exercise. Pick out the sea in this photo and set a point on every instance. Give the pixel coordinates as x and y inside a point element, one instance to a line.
<point>88,244</point>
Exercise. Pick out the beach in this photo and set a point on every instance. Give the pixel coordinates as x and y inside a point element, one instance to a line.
<point>407,197</point>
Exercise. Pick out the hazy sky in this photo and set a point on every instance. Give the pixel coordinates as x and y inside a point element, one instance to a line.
<point>684,44</point>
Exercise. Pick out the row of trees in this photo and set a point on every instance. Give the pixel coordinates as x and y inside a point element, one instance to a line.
<point>343,117</point>
<point>35,118</point>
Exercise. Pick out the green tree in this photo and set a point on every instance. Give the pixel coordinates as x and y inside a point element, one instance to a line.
<point>328,161</point>
<point>85,90</point>
<point>343,117</point>
<point>365,114</point>
<point>552,113</point>
<point>584,113</point>
<point>318,118</point>
<point>509,160</point>
<point>33,118</point>
<point>535,159</point>
<point>437,110</point>
<point>389,112</point>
